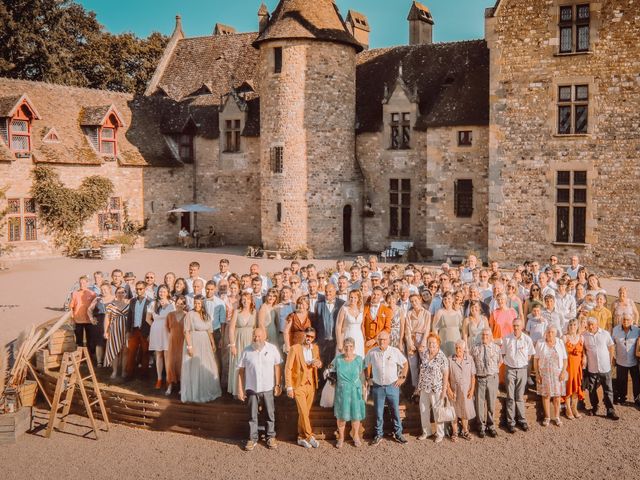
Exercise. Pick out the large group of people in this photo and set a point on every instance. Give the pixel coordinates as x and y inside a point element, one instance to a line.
<point>444,338</point>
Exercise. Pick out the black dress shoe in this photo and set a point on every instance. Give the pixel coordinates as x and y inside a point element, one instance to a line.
<point>375,441</point>
<point>524,426</point>
<point>593,412</point>
<point>481,434</point>
<point>511,428</point>
<point>611,414</point>
<point>492,433</point>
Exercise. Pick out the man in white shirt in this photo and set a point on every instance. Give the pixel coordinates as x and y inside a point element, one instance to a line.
<point>572,269</point>
<point>194,274</point>
<point>385,383</point>
<point>340,271</point>
<point>259,373</point>
<point>517,349</point>
<point>625,336</point>
<point>224,272</point>
<point>599,351</point>
<point>565,304</point>
<point>467,274</point>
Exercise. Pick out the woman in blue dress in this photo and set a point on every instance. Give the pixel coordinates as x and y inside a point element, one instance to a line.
<point>349,402</point>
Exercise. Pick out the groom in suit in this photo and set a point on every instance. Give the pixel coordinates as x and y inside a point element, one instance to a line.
<point>325,323</point>
<point>377,318</point>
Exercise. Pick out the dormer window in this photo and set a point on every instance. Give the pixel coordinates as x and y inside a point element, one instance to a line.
<point>20,135</point>
<point>101,127</point>
<point>400,131</point>
<point>16,123</point>
<point>232,135</point>
<point>108,141</point>
<point>185,147</point>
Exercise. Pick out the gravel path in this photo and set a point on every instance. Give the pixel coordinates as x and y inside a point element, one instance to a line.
<point>594,448</point>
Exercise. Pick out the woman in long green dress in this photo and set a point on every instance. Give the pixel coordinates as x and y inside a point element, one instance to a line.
<point>241,326</point>
<point>349,402</point>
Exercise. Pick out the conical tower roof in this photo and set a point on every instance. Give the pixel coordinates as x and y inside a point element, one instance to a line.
<point>307,19</point>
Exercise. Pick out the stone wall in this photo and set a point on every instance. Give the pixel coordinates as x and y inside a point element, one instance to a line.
<point>309,109</point>
<point>432,164</point>
<point>446,163</point>
<point>526,152</point>
<point>230,183</point>
<point>128,185</point>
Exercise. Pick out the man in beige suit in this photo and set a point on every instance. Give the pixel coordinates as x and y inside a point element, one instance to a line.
<point>301,379</point>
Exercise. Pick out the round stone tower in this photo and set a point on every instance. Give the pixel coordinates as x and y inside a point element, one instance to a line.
<point>311,189</point>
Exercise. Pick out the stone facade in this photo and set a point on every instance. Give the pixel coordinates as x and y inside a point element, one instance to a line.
<point>316,166</point>
<point>526,150</point>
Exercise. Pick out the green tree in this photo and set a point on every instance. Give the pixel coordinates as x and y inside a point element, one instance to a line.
<point>59,41</point>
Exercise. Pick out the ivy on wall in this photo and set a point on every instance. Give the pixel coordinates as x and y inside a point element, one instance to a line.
<point>63,211</point>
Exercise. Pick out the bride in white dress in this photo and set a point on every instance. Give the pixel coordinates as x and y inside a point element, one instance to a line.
<point>349,323</point>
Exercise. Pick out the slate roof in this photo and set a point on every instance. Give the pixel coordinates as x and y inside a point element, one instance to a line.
<point>307,19</point>
<point>451,81</point>
<point>218,62</point>
<point>61,107</point>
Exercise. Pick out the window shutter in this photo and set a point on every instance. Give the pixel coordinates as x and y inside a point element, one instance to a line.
<point>4,131</point>
<point>92,133</point>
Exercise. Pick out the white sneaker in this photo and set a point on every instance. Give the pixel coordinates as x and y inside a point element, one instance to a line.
<point>313,442</point>
<point>169,390</point>
<point>424,436</point>
<point>438,440</point>
<point>303,443</point>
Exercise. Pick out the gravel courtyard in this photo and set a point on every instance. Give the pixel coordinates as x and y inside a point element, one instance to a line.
<point>32,292</point>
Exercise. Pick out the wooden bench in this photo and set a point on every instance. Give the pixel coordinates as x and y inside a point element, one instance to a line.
<point>89,252</point>
<point>396,250</point>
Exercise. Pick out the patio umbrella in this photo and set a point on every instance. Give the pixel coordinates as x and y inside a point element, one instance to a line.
<point>193,208</point>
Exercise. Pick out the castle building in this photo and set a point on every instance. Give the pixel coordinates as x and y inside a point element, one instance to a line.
<point>515,146</point>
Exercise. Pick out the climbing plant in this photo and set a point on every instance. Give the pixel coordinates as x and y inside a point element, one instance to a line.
<point>4,246</point>
<point>63,211</point>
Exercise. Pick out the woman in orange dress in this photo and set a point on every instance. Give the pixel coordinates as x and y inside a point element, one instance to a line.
<point>573,344</point>
<point>297,323</point>
<point>175,325</point>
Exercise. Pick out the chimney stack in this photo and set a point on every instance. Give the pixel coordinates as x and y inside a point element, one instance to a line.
<point>420,25</point>
<point>358,26</point>
<point>263,18</point>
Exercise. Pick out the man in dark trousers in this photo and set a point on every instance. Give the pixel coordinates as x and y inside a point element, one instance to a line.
<point>325,324</point>
<point>138,330</point>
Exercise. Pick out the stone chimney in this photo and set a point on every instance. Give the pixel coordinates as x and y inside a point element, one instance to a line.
<point>263,18</point>
<point>222,29</point>
<point>420,25</point>
<point>358,26</point>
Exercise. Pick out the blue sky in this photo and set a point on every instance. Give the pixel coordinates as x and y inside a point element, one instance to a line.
<point>455,19</point>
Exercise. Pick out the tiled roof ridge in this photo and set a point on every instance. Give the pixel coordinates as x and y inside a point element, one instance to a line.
<point>200,37</point>
<point>66,87</point>
<point>423,45</point>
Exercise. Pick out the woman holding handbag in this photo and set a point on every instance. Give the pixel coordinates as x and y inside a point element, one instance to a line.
<point>462,383</point>
<point>432,389</point>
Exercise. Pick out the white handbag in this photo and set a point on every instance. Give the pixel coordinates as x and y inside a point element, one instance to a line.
<point>444,412</point>
<point>328,395</point>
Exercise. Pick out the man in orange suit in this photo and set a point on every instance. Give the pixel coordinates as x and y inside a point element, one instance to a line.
<point>377,318</point>
<point>301,379</point>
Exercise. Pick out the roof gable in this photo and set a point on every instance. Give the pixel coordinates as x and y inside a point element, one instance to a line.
<point>10,104</point>
<point>98,115</point>
<point>315,20</point>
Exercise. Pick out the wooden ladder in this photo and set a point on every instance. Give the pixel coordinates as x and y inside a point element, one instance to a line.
<point>71,377</point>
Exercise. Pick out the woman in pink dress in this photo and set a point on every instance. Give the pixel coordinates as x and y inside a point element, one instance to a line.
<point>503,316</point>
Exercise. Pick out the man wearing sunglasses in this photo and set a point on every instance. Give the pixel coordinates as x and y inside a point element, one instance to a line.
<point>301,380</point>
